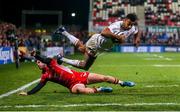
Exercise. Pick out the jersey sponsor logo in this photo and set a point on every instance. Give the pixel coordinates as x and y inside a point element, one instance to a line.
<point>84,74</point>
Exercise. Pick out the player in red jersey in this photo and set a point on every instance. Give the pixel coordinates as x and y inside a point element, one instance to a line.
<point>75,81</point>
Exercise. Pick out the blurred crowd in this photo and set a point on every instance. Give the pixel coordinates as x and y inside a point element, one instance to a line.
<point>160,38</point>
<point>25,38</point>
<point>157,39</point>
<point>3,37</point>
<point>32,39</point>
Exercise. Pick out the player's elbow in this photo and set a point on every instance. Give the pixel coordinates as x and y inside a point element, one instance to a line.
<point>105,32</point>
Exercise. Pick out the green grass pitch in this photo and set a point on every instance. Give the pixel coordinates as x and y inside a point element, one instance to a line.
<point>157,78</point>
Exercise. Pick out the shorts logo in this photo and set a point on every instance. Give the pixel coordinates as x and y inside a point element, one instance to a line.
<point>84,74</point>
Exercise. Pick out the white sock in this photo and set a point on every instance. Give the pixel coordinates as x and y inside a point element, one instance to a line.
<point>72,38</point>
<point>98,89</point>
<point>120,82</point>
<point>71,62</point>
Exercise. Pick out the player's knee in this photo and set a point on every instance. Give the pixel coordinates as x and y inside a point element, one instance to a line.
<point>81,47</point>
<point>83,91</point>
<point>76,91</point>
<point>87,91</point>
<point>90,92</point>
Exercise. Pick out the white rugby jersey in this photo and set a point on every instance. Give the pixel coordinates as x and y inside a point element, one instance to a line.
<point>107,43</point>
<point>116,29</point>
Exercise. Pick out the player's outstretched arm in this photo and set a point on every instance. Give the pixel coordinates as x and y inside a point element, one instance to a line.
<point>33,91</point>
<point>136,39</point>
<point>36,89</point>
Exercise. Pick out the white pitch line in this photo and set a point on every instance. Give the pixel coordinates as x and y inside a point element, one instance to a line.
<point>158,65</point>
<point>155,57</point>
<point>92,105</point>
<point>121,104</point>
<point>151,58</point>
<point>133,65</point>
<point>169,59</point>
<point>19,89</point>
<point>162,57</point>
<point>160,86</point>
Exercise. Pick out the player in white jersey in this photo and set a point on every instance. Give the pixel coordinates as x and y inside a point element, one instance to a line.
<point>117,32</point>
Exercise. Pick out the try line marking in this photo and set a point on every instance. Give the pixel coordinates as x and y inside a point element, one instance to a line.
<point>91,105</point>
<point>19,89</point>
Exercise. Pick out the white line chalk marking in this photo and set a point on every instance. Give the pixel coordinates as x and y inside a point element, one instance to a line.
<point>96,104</point>
<point>19,89</point>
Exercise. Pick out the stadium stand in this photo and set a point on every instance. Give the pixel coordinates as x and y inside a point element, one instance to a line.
<point>162,12</point>
<point>157,12</point>
<point>107,11</point>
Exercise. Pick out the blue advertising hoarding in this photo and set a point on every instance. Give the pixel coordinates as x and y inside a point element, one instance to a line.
<point>132,49</point>
<point>6,55</point>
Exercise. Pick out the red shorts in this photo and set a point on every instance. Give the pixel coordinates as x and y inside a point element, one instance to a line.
<point>80,78</point>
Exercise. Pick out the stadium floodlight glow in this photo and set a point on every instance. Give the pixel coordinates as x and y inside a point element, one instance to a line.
<point>73,14</point>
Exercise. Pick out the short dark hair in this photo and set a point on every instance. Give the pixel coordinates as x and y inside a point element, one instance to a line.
<point>132,17</point>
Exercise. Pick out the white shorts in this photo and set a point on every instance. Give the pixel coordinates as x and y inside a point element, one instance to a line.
<point>98,43</point>
<point>92,43</point>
